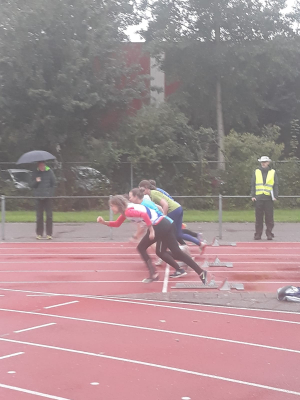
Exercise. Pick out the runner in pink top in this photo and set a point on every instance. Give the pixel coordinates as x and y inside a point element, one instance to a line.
<point>160,230</point>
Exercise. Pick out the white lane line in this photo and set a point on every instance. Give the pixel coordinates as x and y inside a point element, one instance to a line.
<point>35,327</point>
<point>79,271</point>
<point>25,282</point>
<point>18,389</point>
<point>137,255</point>
<point>12,355</point>
<point>154,304</point>
<point>160,366</point>
<point>41,295</point>
<point>266,282</point>
<point>145,328</point>
<point>137,300</point>
<point>129,261</point>
<point>166,279</point>
<point>138,271</point>
<point>63,304</point>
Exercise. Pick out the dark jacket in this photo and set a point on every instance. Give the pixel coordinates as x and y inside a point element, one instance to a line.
<point>264,174</point>
<point>44,188</point>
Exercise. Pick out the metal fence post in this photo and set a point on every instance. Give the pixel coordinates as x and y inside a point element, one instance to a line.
<point>131,176</point>
<point>220,216</point>
<point>3,217</point>
<point>111,219</point>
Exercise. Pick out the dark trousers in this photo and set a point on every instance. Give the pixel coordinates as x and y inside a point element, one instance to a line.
<point>165,236</point>
<point>264,208</point>
<point>41,206</point>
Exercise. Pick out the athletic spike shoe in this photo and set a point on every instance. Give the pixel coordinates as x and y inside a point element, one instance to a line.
<point>202,247</point>
<point>151,279</point>
<point>203,277</point>
<point>200,236</point>
<point>159,261</point>
<point>178,274</point>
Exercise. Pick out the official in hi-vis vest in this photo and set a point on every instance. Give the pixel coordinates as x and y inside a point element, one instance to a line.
<point>264,190</point>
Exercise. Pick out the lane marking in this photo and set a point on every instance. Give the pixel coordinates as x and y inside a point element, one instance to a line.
<point>41,295</point>
<point>18,389</point>
<point>25,282</point>
<point>12,355</point>
<point>63,304</point>
<point>145,328</point>
<point>137,300</point>
<point>121,300</point>
<point>160,366</point>
<point>137,255</point>
<point>138,271</point>
<point>35,327</point>
<point>129,261</point>
<point>166,279</point>
<point>266,282</point>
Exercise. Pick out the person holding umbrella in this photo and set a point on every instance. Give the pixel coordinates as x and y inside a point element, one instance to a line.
<point>43,183</point>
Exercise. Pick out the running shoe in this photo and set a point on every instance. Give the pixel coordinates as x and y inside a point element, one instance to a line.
<point>202,247</point>
<point>151,279</point>
<point>39,237</point>
<point>49,237</point>
<point>200,236</point>
<point>159,261</point>
<point>178,274</point>
<point>203,277</point>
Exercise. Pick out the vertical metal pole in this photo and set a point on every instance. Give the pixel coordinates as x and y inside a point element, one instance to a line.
<point>131,176</point>
<point>3,217</point>
<point>220,216</point>
<point>111,219</point>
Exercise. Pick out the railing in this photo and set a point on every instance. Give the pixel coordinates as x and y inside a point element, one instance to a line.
<point>219,197</point>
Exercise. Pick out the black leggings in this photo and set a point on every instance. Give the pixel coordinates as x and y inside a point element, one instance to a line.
<point>166,239</point>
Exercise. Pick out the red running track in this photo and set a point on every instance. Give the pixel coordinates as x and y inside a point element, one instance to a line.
<point>58,340</point>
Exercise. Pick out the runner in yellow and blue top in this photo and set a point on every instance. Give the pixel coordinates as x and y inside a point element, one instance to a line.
<point>184,229</point>
<point>172,209</point>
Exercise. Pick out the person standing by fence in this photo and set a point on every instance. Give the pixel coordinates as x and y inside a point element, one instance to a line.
<point>264,190</point>
<point>43,182</point>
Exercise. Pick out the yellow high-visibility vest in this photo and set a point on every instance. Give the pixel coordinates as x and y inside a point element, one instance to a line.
<point>262,188</point>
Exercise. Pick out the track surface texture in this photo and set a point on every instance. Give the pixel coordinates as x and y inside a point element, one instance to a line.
<point>77,323</point>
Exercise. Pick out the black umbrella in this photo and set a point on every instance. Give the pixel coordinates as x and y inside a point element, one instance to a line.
<point>35,156</point>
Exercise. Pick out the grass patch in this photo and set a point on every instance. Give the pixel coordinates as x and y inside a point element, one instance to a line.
<point>280,215</point>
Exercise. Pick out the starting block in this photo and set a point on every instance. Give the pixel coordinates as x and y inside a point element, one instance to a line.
<point>217,263</point>
<point>231,285</point>
<point>216,243</point>
<point>211,285</point>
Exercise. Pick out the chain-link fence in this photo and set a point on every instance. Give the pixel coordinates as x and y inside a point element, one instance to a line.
<point>188,202</point>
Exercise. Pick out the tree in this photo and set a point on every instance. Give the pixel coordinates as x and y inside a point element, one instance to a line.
<point>62,70</point>
<point>214,27</point>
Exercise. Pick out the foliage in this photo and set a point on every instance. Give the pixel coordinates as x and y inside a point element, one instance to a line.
<point>242,152</point>
<point>61,72</point>
<point>160,144</point>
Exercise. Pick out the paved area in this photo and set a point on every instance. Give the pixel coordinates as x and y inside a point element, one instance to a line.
<point>69,232</point>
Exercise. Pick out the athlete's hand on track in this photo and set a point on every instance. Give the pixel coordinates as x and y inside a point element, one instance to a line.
<point>100,220</point>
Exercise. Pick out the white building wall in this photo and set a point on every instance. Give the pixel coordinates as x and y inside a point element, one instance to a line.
<point>158,81</point>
